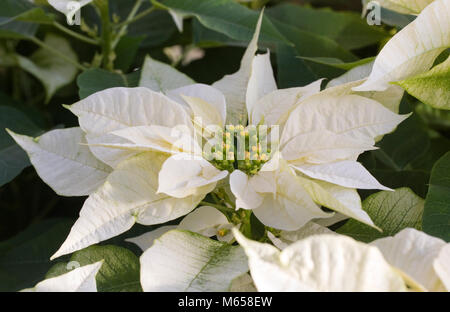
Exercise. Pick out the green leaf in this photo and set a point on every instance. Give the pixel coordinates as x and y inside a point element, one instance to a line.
<point>154,28</point>
<point>334,62</point>
<point>126,51</point>
<point>18,30</point>
<point>157,27</point>
<point>25,258</point>
<point>51,70</point>
<point>407,143</point>
<point>12,158</point>
<point>225,16</point>
<point>119,272</point>
<point>436,217</point>
<point>186,261</point>
<point>94,80</point>
<point>207,38</point>
<point>438,147</point>
<point>294,71</point>
<point>19,19</point>
<point>22,10</point>
<point>347,29</point>
<point>391,211</point>
<point>416,180</point>
<point>432,87</point>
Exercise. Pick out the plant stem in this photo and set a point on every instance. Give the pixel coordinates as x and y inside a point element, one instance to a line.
<point>57,53</point>
<point>123,26</point>
<point>75,34</point>
<point>219,207</point>
<point>137,17</point>
<point>107,51</point>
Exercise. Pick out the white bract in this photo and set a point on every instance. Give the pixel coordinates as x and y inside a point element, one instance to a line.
<point>186,261</point>
<point>320,263</point>
<point>413,50</point>
<point>81,279</point>
<point>68,7</point>
<point>140,153</point>
<point>120,176</point>
<point>424,258</point>
<point>205,220</point>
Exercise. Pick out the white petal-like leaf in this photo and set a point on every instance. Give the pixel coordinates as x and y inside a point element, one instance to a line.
<point>128,196</point>
<point>290,207</point>
<point>210,95</point>
<point>243,283</point>
<point>286,238</point>
<point>322,146</point>
<point>345,173</point>
<point>413,50</point>
<point>274,107</point>
<point>63,161</point>
<point>118,108</point>
<point>186,261</point>
<point>338,198</point>
<point>205,220</point>
<point>414,253</point>
<point>67,7</point>
<point>360,118</point>
<point>320,263</point>
<point>342,85</point>
<point>442,266</point>
<point>159,76</point>
<point>432,87</point>
<point>81,279</point>
<point>146,240</point>
<point>243,189</point>
<point>234,86</point>
<point>184,175</point>
<point>261,81</point>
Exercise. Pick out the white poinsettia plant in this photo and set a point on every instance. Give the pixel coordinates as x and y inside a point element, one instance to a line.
<point>242,179</point>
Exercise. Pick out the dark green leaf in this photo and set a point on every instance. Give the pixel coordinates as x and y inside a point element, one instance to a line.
<point>345,28</point>
<point>227,17</point>
<point>334,62</point>
<point>403,146</point>
<point>12,158</point>
<point>94,80</point>
<point>22,10</point>
<point>436,217</point>
<point>391,211</point>
<point>18,30</point>
<point>126,51</point>
<point>25,259</point>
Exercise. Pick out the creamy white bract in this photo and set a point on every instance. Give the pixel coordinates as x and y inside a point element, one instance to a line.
<point>139,154</point>
<point>411,260</point>
<point>413,50</point>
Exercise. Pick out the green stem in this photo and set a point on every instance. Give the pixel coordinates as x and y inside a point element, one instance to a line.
<point>107,51</point>
<point>75,34</point>
<point>137,17</point>
<point>57,53</point>
<point>221,208</point>
<point>123,26</point>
